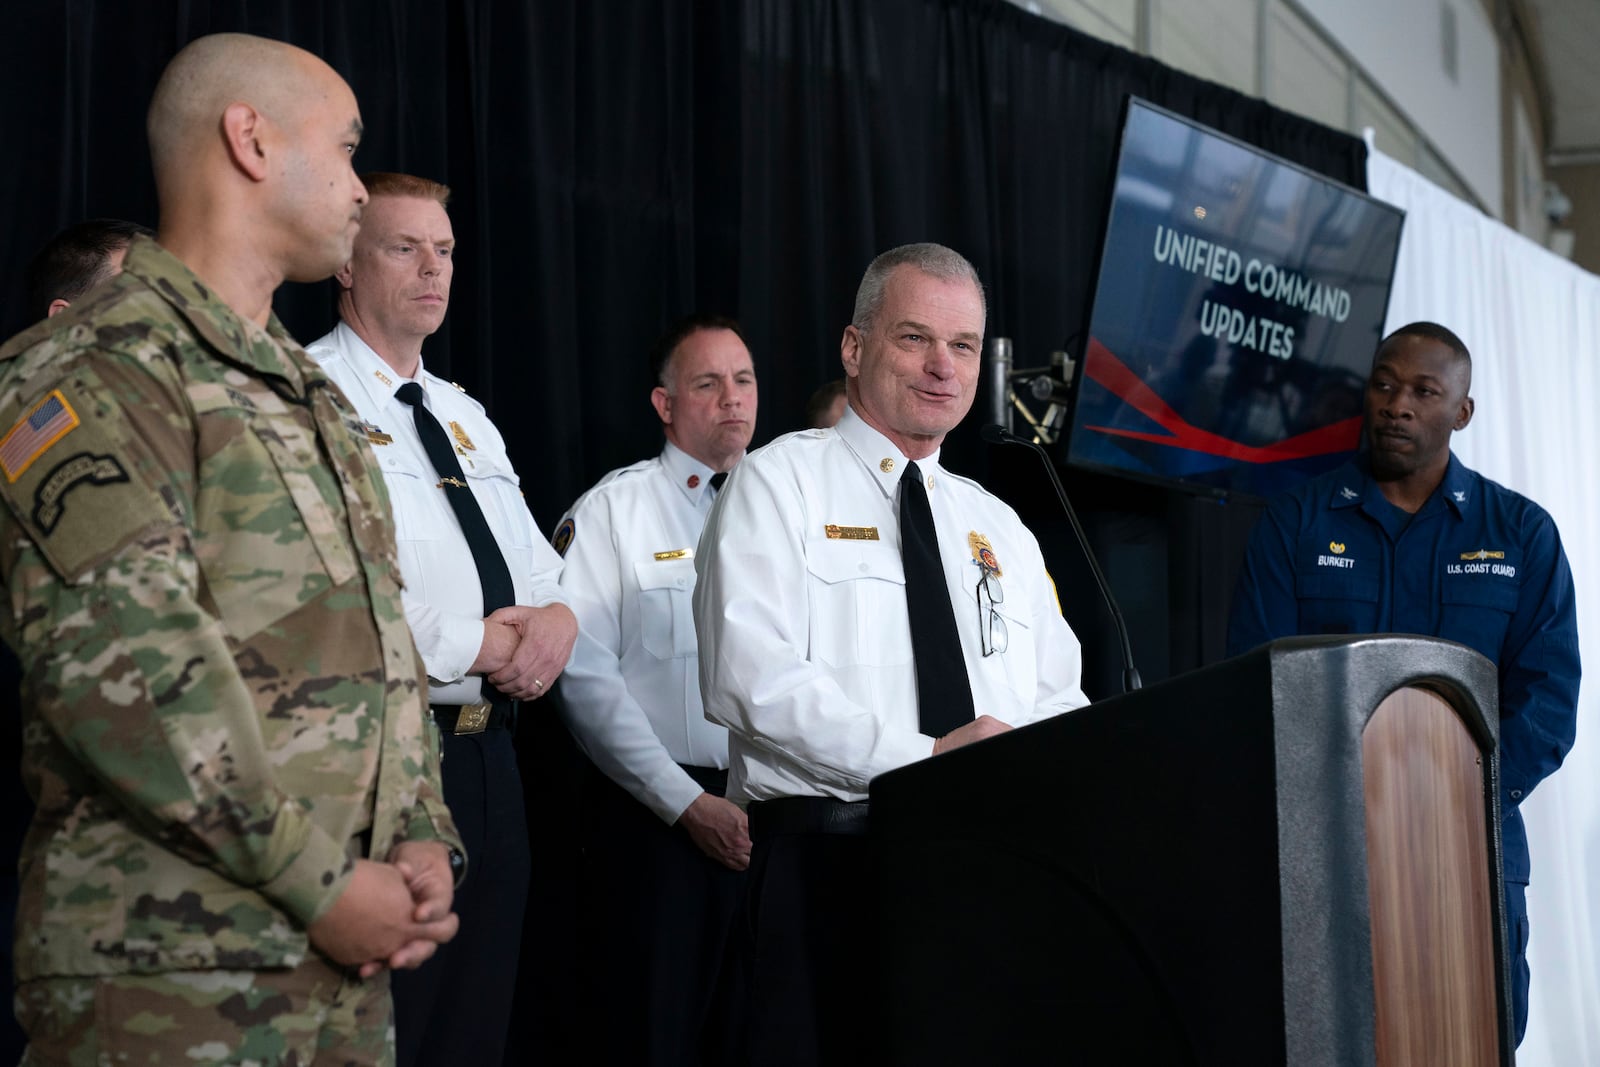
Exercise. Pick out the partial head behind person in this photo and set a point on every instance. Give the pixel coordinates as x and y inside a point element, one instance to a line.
<point>252,143</point>
<point>395,290</point>
<point>76,260</point>
<point>911,353</point>
<point>705,392</point>
<point>1417,396</point>
<point>826,406</point>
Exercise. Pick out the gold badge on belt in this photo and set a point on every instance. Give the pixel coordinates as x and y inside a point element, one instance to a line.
<point>473,719</point>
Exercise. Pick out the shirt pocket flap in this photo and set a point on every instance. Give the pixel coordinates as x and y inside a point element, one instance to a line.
<point>1481,591</point>
<point>486,465</point>
<point>665,574</point>
<point>326,528</point>
<point>392,460</point>
<point>847,561</point>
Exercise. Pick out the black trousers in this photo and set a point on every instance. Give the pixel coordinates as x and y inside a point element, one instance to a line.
<point>810,952</point>
<point>455,1008</point>
<point>661,986</point>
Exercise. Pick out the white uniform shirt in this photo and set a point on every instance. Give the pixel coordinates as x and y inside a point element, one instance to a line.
<point>632,691</point>
<point>443,597</point>
<point>806,651</point>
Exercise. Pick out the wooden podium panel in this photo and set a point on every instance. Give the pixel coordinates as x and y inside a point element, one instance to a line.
<point>1433,967</point>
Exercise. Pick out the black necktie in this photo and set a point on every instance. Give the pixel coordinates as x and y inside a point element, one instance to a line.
<point>944,694</point>
<point>717,480</point>
<point>493,574</point>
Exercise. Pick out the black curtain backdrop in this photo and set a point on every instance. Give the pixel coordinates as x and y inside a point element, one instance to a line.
<point>617,163</point>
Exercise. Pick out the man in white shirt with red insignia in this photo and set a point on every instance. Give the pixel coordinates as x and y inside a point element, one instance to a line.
<point>663,849</point>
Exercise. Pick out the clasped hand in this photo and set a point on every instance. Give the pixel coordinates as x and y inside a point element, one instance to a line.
<point>525,649</point>
<point>391,914</point>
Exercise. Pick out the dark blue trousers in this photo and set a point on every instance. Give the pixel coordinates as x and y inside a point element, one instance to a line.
<point>1517,935</point>
<point>660,978</point>
<point>455,1008</point>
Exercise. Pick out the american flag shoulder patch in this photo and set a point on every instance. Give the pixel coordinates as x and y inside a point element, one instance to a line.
<point>46,422</point>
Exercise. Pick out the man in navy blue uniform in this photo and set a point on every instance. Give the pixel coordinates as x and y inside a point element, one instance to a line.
<point>1404,539</point>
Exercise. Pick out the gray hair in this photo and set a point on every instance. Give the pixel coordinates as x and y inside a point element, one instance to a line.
<point>936,260</point>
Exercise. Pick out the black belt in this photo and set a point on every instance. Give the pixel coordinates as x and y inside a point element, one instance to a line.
<point>807,815</point>
<point>473,718</point>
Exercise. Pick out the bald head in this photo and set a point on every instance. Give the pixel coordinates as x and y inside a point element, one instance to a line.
<point>212,72</point>
<point>252,142</point>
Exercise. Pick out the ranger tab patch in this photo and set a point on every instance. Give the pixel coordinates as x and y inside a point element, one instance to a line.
<point>70,472</point>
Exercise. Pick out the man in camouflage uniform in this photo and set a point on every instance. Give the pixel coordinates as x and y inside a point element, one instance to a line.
<point>239,821</point>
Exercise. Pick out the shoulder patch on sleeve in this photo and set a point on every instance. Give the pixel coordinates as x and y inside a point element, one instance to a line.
<point>563,536</point>
<point>78,505</point>
<point>31,436</point>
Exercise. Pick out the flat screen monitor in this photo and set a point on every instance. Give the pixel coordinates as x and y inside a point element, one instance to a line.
<point>1238,304</point>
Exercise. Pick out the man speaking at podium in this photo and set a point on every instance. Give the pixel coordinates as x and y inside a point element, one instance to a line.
<point>1404,539</point>
<point>859,608</point>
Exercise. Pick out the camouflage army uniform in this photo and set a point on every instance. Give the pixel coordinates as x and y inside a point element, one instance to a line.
<point>223,706</point>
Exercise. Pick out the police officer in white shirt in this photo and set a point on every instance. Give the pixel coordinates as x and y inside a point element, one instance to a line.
<point>393,294</point>
<point>663,851</point>
<point>807,651</point>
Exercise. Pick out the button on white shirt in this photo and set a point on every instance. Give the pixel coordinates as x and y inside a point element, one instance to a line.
<point>806,651</point>
<point>443,598</point>
<point>631,693</point>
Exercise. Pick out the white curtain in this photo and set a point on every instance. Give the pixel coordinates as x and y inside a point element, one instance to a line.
<point>1532,322</point>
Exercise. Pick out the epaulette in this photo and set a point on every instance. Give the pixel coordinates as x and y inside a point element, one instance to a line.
<point>613,476</point>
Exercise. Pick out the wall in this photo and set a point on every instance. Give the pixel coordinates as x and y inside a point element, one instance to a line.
<point>1402,44</point>
<point>1582,184</point>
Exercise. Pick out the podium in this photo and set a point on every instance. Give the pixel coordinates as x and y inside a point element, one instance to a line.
<point>1289,857</point>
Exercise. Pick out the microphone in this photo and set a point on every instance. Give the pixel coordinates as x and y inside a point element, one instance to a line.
<point>999,369</point>
<point>999,435</point>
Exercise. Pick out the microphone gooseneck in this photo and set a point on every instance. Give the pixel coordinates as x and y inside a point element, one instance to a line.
<point>999,435</point>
